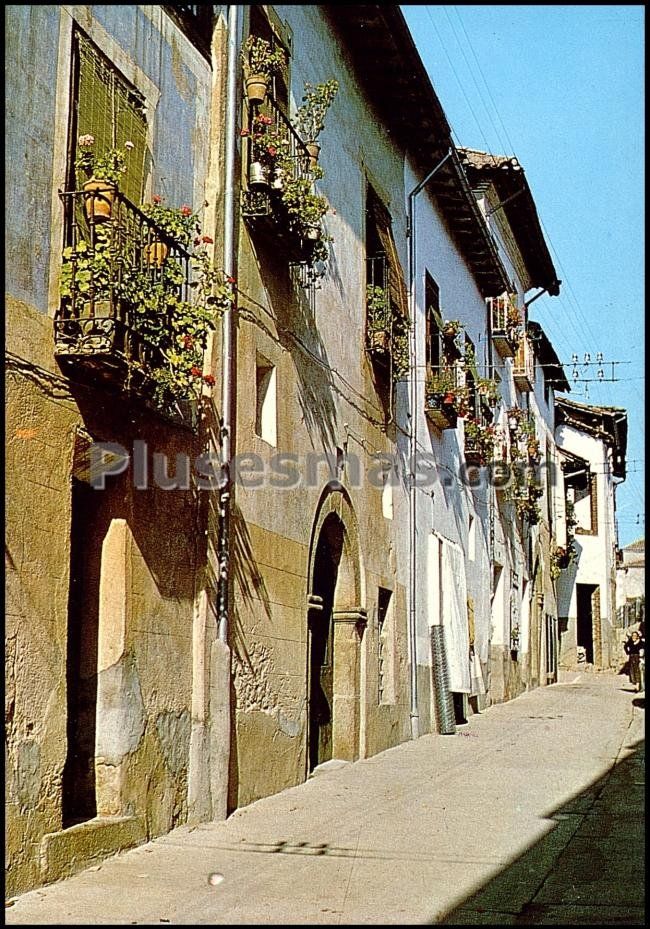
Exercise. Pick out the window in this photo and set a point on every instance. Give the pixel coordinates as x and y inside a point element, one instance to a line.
<point>381,245</point>
<point>387,494</point>
<point>196,22</point>
<point>107,107</point>
<point>265,407</point>
<point>385,689</point>
<point>433,321</point>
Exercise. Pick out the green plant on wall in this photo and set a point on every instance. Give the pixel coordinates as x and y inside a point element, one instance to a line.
<point>260,57</point>
<point>379,313</point>
<point>316,101</point>
<point>387,330</point>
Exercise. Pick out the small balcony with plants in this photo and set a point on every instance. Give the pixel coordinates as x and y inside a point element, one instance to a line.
<point>279,199</point>
<point>523,369</point>
<point>446,399</point>
<point>524,444</point>
<point>387,331</point>
<point>139,296</point>
<point>505,324</point>
<point>480,441</point>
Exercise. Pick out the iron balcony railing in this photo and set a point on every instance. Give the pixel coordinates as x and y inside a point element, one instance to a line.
<point>107,266</point>
<point>262,203</point>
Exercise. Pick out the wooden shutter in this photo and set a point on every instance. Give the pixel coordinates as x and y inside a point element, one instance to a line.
<point>112,111</point>
<point>396,285</point>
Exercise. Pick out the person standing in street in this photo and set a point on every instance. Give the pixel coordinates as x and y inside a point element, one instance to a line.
<point>635,650</point>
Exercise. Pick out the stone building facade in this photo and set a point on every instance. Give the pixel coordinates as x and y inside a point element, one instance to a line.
<point>297,555</point>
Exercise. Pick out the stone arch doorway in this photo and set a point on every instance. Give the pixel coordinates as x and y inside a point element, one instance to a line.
<point>335,625</point>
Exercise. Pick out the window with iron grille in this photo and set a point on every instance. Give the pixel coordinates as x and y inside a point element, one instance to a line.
<point>106,106</point>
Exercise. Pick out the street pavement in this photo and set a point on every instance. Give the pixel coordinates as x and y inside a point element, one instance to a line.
<point>533,813</point>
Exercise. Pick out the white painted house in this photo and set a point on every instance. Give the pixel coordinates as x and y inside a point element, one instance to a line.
<point>592,443</point>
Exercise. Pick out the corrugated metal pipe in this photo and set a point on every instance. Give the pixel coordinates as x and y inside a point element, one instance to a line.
<point>443,700</point>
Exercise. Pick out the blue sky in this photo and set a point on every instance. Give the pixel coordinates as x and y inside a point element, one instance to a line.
<point>562,88</point>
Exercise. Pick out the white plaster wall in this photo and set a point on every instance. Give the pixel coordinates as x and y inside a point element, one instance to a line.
<point>448,503</point>
<point>596,552</point>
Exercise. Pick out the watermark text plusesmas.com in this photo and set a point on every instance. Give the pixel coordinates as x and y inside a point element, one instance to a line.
<point>288,470</point>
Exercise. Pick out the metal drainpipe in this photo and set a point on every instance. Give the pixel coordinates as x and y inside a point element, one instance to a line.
<point>411,243</point>
<point>227,358</point>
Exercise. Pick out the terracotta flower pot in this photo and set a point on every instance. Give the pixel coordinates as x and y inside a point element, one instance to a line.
<point>314,151</point>
<point>257,87</point>
<point>156,252</point>
<point>98,200</point>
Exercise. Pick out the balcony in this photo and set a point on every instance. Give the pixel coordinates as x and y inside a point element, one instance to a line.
<point>445,397</point>
<point>505,324</point>
<point>263,204</point>
<point>122,279</point>
<point>523,370</point>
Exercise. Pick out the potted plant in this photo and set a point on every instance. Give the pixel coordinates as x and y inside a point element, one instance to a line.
<point>479,442</point>
<point>310,116</point>
<point>513,323</point>
<point>488,390</point>
<point>379,318</point>
<point>103,172</point>
<point>261,61</point>
<point>178,224</point>
<point>450,328</point>
<point>514,642</point>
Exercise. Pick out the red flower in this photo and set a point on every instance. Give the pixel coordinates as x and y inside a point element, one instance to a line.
<point>195,372</point>
<point>209,379</point>
<point>244,132</point>
<point>186,210</point>
<point>231,280</point>
<point>188,341</point>
<point>156,198</point>
<point>197,241</point>
<point>272,151</point>
<point>207,239</point>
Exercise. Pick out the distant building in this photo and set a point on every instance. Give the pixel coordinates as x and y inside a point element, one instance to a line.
<point>630,584</point>
<point>592,442</point>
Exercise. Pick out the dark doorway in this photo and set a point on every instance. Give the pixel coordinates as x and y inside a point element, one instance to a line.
<point>585,631</point>
<point>321,638</point>
<point>79,802</point>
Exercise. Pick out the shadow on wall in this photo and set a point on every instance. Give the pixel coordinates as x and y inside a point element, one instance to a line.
<point>298,334</point>
<point>583,869</point>
<point>164,523</point>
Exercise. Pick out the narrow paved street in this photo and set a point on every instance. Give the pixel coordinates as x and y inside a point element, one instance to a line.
<point>532,814</point>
